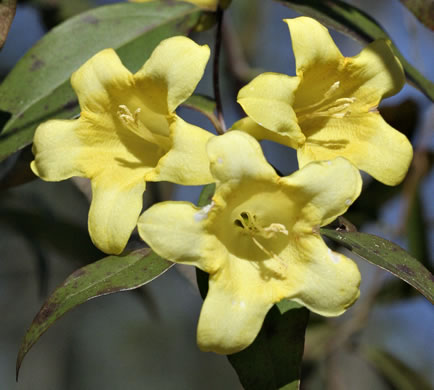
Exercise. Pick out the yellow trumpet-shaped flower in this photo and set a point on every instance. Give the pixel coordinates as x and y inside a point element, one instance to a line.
<point>127,134</point>
<point>208,5</point>
<point>259,240</point>
<point>330,108</point>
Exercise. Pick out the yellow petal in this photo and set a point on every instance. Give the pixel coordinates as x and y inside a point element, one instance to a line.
<point>187,160</point>
<point>114,211</point>
<point>317,60</point>
<point>268,100</point>
<point>177,231</point>
<point>171,74</point>
<point>313,46</point>
<point>115,161</point>
<point>249,126</point>
<point>366,140</point>
<point>378,72</point>
<point>234,309</point>
<point>56,147</point>
<point>322,191</point>
<point>361,81</point>
<point>110,149</point>
<point>324,281</point>
<point>238,155</point>
<point>99,79</point>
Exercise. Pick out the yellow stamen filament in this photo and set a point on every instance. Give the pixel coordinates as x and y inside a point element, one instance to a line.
<point>336,109</point>
<point>252,228</point>
<point>126,116</point>
<point>133,124</point>
<point>327,96</point>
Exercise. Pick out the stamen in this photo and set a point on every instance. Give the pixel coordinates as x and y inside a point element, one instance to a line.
<point>125,114</point>
<point>248,222</point>
<point>327,95</point>
<point>133,123</point>
<point>336,109</point>
<point>275,228</point>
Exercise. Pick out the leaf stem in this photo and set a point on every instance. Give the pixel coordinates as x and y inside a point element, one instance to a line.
<point>216,73</point>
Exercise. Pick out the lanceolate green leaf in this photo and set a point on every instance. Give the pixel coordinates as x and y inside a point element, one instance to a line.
<point>38,87</point>
<point>7,13</point>
<point>109,275</point>
<point>387,255</point>
<point>274,359</point>
<point>351,21</point>
<point>206,195</point>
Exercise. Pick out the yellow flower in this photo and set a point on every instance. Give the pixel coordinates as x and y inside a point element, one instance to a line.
<point>127,134</point>
<point>259,240</point>
<point>209,5</point>
<point>330,108</point>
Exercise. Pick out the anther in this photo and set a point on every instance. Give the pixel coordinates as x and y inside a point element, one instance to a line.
<point>126,115</point>
<point>336,108</point>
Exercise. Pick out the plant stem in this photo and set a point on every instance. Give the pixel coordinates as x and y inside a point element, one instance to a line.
<point>216,73</point>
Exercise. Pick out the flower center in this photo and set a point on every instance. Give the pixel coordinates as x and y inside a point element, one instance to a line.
<point>132,122</point>
<point>337,108</point>
<point>252,228</point>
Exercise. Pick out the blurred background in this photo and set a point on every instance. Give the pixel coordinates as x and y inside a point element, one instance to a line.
<point>146,338</point>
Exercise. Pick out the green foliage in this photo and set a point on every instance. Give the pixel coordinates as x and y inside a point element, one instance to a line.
<point>386,255</point>
<point>351,21</point>
<point>106,276</point>
<point>38,87</point>
<point>273,361</point>
<point>417,230</point>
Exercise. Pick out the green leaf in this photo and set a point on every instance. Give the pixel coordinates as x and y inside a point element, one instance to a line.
<point>38,88</point>
<point>386,255</point>
<point>273,360</point>
<point>206,195</point>
<point>423,10</point>
<point>351,21</point>
<point>399,375</point>
<point>109,275</point>
<point>201,103</point>
<point>417,230</point>
<point>54,12</point>
<point>7,13</point>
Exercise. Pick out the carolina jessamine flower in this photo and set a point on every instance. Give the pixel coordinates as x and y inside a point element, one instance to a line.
<point>330,108</point>
<point>259,240</point>
<point>209,5</point>
<point>127,134</point>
